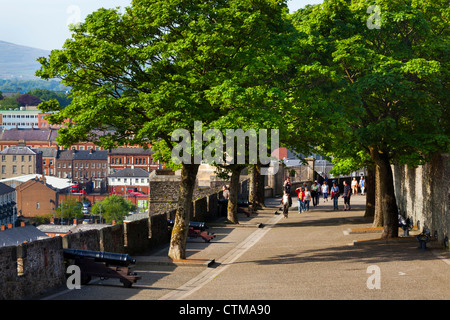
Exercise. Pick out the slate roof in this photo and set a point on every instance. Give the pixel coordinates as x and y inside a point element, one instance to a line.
<point>128,172</point>
<point>47,152</point>
<point>14,236</point>
<point>128,150</point>
<point>90,155</point>
<point>29,134</point>
<point>82,155</point>
<point>18,150</point>
<point>4,189</point>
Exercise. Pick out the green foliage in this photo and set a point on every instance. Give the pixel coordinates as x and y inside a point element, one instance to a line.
<point>47,95</point>
<point>114,207</point>
<point>161,65</point>
<point>385,89</point>
<point>29,85</point>
<point>69,208</point>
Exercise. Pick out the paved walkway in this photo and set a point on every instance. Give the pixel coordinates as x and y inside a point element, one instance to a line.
<point>312,255</point>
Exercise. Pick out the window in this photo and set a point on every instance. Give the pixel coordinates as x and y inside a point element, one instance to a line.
<point>23,158</point>
<point>14,158</point>
<point>3,169</point>
<point>37,205</point>
<point>3,158</point>
<point>14,169</point>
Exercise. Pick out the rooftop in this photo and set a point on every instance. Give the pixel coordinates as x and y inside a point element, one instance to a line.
<point>128,172</point>
<point>57,183</point>
<point>18,150</point>
<point>15,236</point>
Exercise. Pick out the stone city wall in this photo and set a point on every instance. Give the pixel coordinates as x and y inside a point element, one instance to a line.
<point>31,269</point>
<point>423,195</point>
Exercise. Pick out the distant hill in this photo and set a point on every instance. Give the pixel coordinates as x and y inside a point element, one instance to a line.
<point>18,61</point>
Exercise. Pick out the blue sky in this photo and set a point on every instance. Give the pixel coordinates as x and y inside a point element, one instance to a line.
<point>43,23</point>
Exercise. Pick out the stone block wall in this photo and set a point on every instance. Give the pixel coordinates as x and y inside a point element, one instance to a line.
<point>423,194</point>
<point>33,268</point>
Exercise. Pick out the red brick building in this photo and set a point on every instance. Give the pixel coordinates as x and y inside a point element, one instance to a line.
<point>131,158</point>
<point>36,198</point>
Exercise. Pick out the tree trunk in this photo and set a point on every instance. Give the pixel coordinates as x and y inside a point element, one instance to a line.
<point>388,202</point>
<point>232,208</point>
<point>259,180</point>
<point>378,216</point>
<point>370,193</point>
<point>252,186</point>
<point>177,249</point>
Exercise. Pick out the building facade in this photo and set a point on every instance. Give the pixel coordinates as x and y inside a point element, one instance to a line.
<point>125,181</point>
<point>85,167</point>
<point>36,198</point>
<point>8,210</point>
<point>131,158</point>
<point>17,161</point>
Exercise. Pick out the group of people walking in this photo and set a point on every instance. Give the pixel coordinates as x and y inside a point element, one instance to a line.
<point>305,194</point>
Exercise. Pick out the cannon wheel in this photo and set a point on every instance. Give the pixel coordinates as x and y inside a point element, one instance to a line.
<point>85,279</point>
<point>126,283</point>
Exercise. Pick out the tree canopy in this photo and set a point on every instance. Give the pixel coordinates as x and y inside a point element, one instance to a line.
<point>161,65</point>
<point>388,85</point>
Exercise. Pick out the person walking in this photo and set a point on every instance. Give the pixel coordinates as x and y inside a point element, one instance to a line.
<point>335,196</point>
<point>286,201</point>
<point>325,191</point>
<point>315,193</point>
<point>362,185</point>
<point>347,195</point>
<point>355,186</point>
<point>307,199</point>
<point>300,197</point>
<point>287,185</point>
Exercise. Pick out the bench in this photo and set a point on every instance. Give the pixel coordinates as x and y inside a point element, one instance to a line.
<point>196,230</point>
<point>424,238</point>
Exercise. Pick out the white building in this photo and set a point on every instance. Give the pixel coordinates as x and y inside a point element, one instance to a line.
<point>128,180</point>
<point>22,119</point>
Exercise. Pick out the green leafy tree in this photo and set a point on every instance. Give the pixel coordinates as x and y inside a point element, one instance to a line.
<point>46,95</point>
<point>158,67</point>
<point>113,208</point>
<point>69,208</point>
<point>389,85</point>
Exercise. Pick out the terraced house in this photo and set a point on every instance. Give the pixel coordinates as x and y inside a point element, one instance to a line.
<point>17,161</point>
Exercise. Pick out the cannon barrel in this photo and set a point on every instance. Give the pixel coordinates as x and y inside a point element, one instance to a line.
<point>192,224</point>
<point>100,256</point>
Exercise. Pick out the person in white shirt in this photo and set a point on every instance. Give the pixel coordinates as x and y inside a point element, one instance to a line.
<point>354,186</point>
<point>325,191</point>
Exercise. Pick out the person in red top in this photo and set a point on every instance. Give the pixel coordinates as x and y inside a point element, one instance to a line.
<point>300,196</point>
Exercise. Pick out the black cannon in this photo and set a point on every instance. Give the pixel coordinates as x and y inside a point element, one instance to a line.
<point>102,264</point>
<point>196,230</point>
